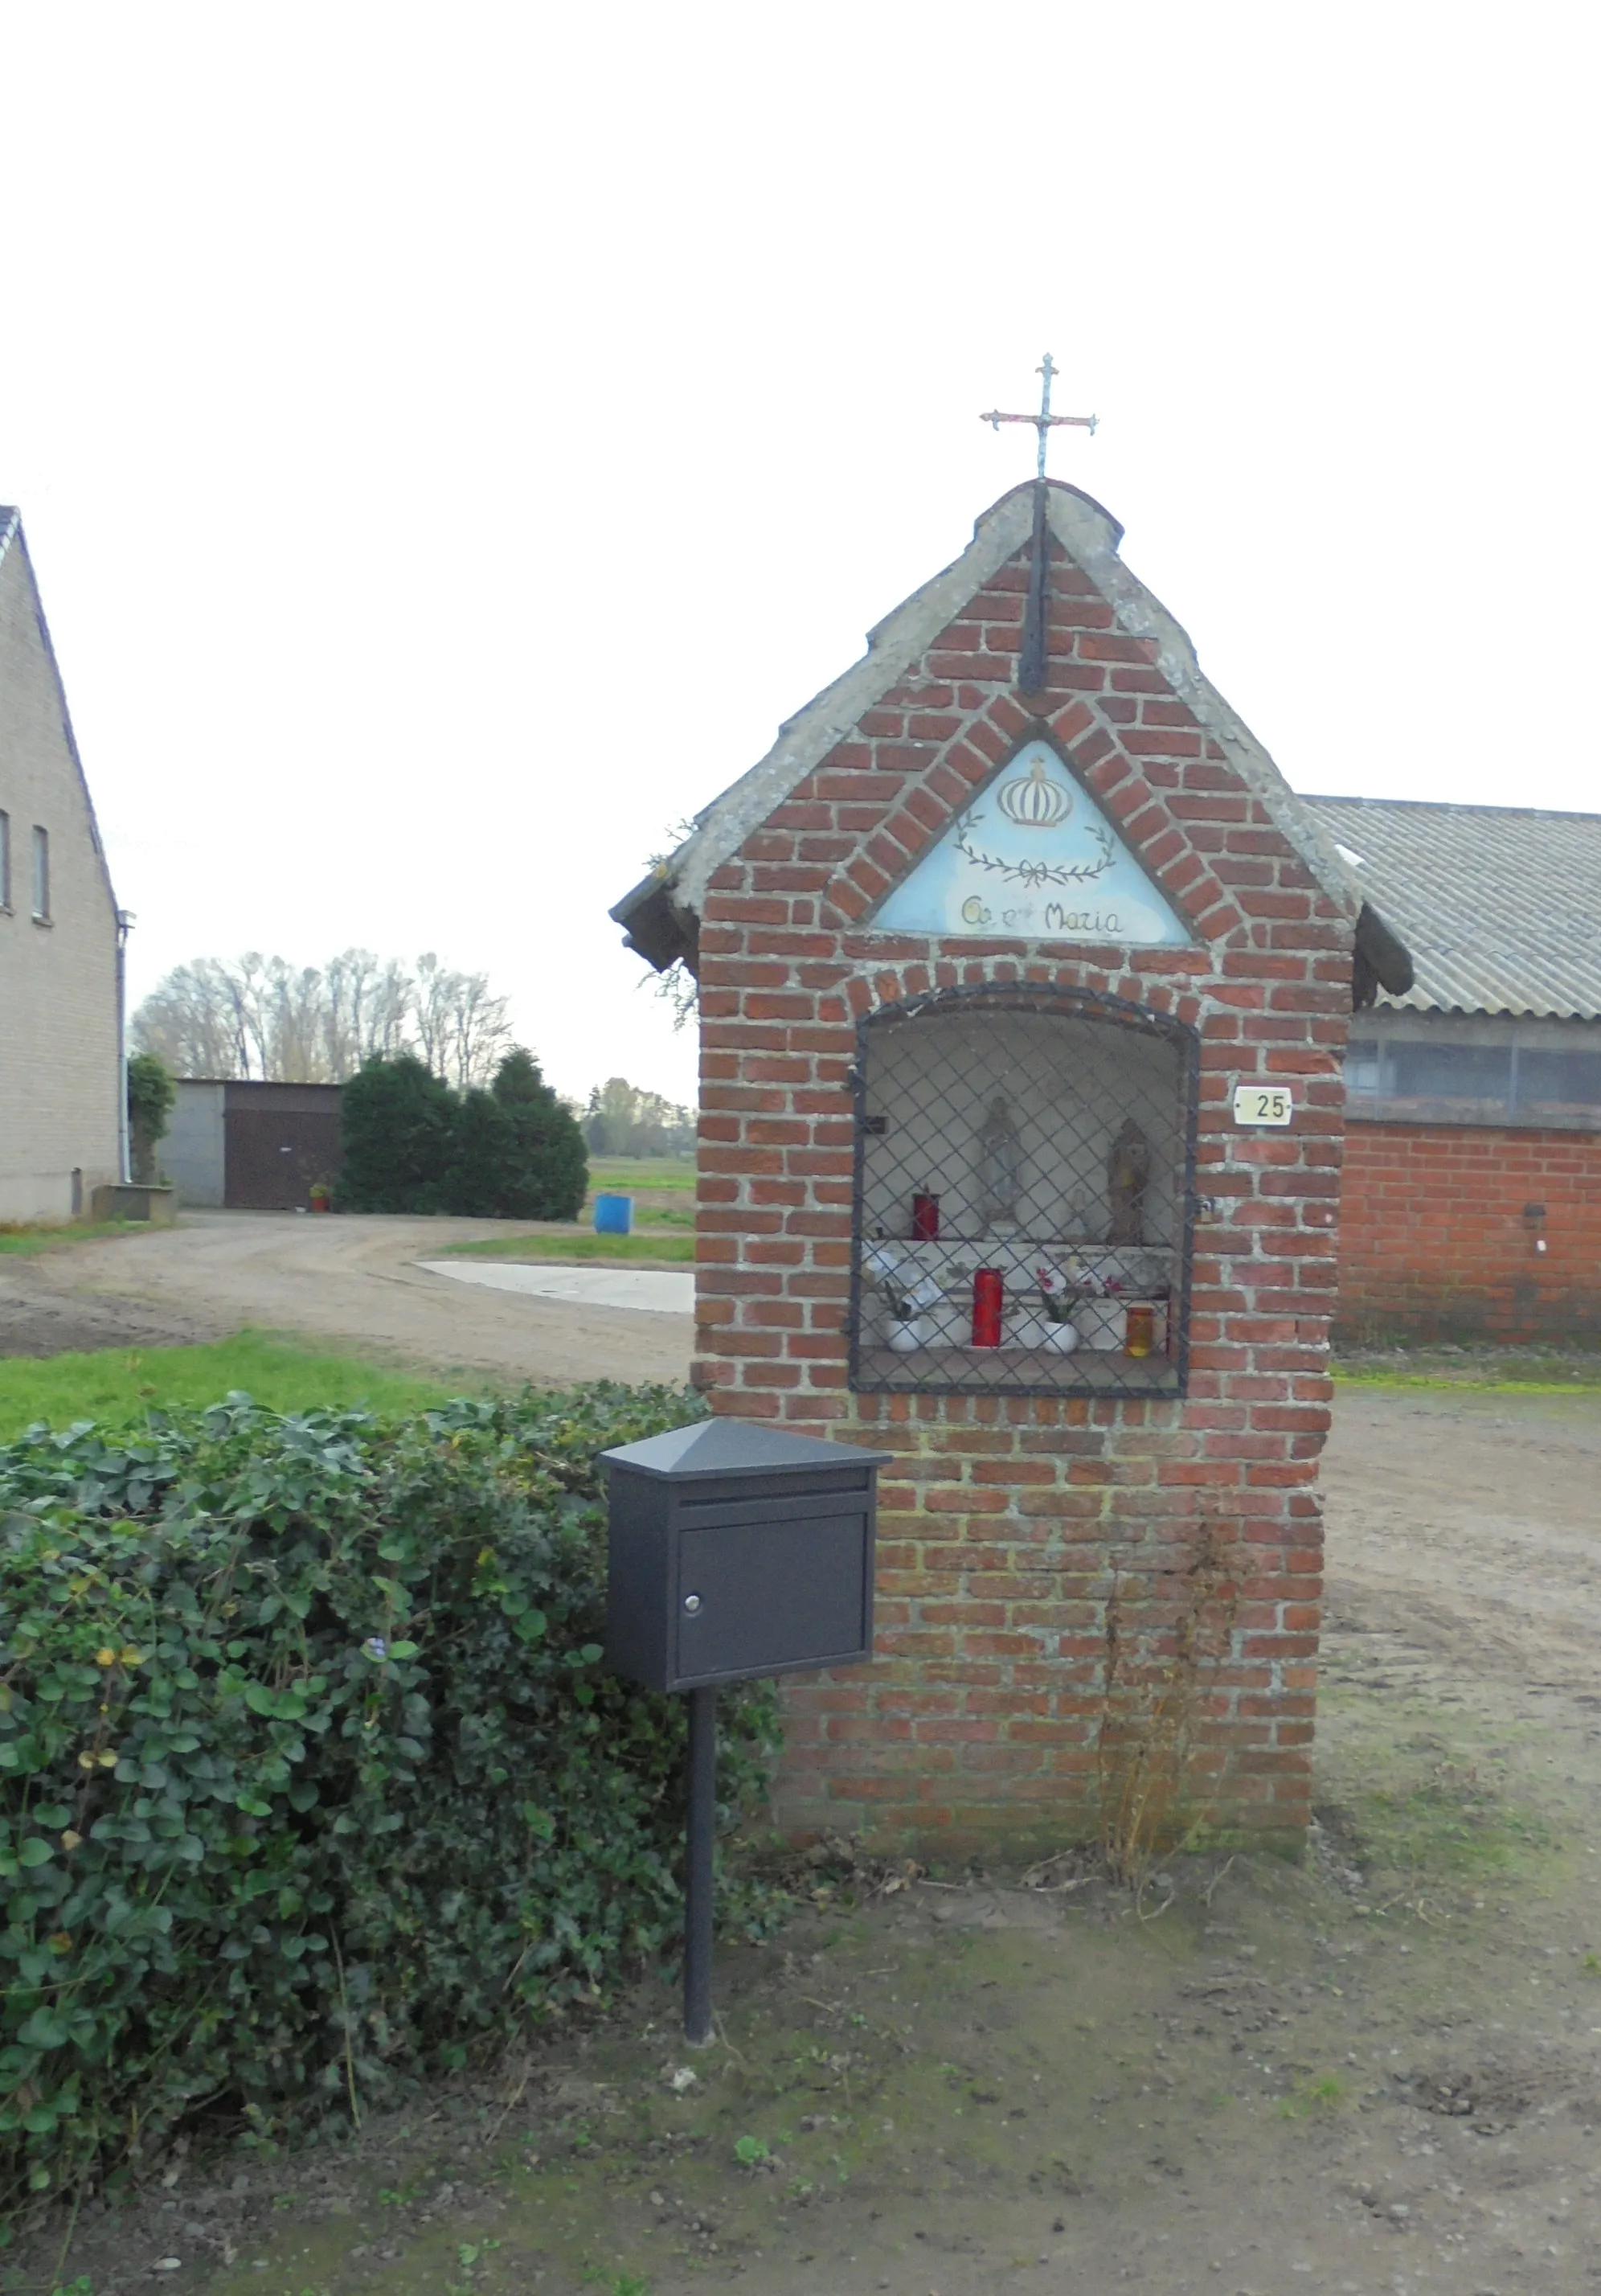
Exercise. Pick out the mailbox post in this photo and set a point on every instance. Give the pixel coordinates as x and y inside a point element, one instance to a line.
<point>735,1551</point>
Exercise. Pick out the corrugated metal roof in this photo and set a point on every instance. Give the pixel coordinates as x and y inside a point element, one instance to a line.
<point>1500,906</point>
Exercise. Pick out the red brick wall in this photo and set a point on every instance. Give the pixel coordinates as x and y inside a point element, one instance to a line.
<point>1435,1244</point>
<point>1007,1523</point>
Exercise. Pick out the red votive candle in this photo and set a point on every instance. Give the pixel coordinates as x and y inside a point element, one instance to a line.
<point>925,1219</point>
<point>989,1294</point>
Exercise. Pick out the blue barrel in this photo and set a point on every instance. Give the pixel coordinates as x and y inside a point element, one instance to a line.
<point>614,1215</point>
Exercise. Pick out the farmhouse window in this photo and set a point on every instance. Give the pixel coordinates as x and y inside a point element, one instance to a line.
<point>1487,1081</point>
<point>1024,1199</point>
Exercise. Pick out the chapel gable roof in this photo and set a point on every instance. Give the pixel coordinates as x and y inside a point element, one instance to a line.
<point>1500,906</point>
<point>660,916</point>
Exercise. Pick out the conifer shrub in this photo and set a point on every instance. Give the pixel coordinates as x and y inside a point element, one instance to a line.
<point>311,1781</point>
<point>411,1145</point>
<point>396,1120</point>
<point>550,1161</point>
<point>483,1166</point>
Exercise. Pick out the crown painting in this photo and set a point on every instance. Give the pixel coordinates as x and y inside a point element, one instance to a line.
<point>1032,855</point>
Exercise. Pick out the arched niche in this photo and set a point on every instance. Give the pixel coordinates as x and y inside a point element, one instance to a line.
<point>1057,1129</point>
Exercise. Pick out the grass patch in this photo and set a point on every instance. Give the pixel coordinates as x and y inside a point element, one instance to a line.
<point>1451,1821</point>
<point>1325,2095</point>
<point>1587,1381</point>
<point>117,1386</point>
<point>627,1173</point>
<point>30,1237</point>
<point>1487,1366</point>
<point>579,1244</point>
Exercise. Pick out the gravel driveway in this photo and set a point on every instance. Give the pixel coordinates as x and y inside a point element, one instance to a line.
<point>358,1280</point>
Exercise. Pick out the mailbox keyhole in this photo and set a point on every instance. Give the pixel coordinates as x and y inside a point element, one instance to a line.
<point>691,1603</point>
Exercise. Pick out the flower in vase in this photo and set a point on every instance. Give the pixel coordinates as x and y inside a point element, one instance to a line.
<point>905,1300</point>
<point>1057,1295</point>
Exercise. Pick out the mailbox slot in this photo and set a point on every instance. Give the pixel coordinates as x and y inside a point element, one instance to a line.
<point>712,1513</point>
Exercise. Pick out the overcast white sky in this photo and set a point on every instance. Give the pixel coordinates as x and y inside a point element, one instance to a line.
<point>452,439</point>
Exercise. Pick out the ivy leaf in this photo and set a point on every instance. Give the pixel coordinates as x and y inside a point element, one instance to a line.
<point>44,2029</point>
<point>34,1852</point>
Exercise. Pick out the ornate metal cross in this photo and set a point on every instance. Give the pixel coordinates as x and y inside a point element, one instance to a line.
<point>1030,662</point>
<point>1045,422</point>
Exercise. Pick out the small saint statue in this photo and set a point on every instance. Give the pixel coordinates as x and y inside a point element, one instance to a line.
<point>1128,1177</point>
<point>1000,1169</point>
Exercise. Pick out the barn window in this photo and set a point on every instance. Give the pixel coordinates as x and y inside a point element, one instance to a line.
<point>1024,1195</point>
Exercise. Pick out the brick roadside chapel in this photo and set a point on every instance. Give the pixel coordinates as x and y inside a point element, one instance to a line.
<point>986,946</point>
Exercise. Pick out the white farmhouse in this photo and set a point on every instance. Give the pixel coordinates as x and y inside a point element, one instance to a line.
<point>62,1100</point>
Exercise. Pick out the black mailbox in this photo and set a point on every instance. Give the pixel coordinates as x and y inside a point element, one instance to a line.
<point>737,1551</point>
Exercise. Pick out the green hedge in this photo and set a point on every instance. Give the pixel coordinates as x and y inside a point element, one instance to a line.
<point>310,1780</point>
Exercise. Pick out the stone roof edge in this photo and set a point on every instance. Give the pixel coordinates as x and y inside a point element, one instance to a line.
<point>805,739</point>
<point>1141,614</point>
<point>1090,535</point>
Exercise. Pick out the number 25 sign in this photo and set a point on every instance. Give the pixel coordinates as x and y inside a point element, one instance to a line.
<point>1262,1104</point>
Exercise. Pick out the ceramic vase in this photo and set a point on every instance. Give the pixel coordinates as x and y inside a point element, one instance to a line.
<point>906,1338</point>
<point>1063,1337</point>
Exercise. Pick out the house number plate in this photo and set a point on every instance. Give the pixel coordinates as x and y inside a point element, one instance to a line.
<point>1262,1104</point>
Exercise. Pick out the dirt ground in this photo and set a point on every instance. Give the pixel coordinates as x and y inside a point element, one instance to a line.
<point>1381,2072</point>
<point>354,1280</point>
<point>1377,2072</point>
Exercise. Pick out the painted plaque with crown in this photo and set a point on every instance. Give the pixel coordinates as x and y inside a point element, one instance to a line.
<point>1031,857</point>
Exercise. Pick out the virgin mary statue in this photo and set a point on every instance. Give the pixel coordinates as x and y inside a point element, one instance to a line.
<point>1000,1169</point>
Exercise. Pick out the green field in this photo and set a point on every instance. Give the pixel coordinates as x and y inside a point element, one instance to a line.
<point>629,1174</point>
<point>664,1217</point>
<point>117,1386</point>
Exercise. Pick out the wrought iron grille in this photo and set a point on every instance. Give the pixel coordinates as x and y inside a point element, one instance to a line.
<point>1024,1195</point>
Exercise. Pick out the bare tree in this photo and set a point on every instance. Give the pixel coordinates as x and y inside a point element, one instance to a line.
<point>480,1033</point>
<point>185,1025</point>
<point>259,1016</point>
<point>366,1009</point>
<point>430,1012</point>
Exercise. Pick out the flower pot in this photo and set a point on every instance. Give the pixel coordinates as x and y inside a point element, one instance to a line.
<point>1063,1337</point>
<point>906,1338</point>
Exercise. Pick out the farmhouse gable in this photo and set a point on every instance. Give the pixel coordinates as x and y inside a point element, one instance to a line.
<point>60,932</point>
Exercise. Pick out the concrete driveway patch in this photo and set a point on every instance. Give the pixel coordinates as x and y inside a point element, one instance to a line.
<point>659,1291</point>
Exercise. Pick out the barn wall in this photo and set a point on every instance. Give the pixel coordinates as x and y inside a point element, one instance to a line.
<point>190,1154</point>
<point>1013,1530</point>
<point>280,1140</point>
<point>1441,1224</point>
